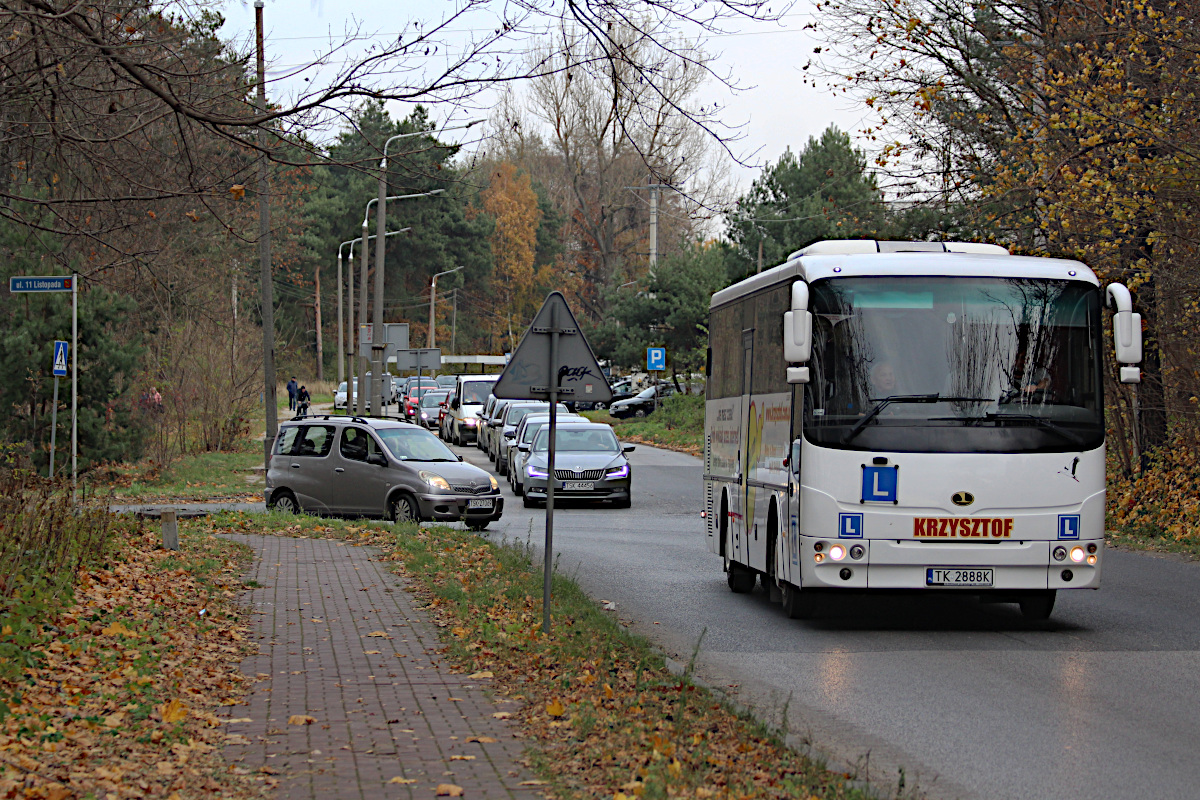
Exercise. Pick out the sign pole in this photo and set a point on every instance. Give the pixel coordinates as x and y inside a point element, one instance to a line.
<point>53,426</point>
<point>74,387</point>
<point>550,478</point>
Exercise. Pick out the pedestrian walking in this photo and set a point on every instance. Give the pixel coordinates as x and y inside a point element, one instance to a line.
<point>292,388</point>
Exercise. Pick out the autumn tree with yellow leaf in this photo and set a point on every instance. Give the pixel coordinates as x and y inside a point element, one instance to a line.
<point>515,283</point>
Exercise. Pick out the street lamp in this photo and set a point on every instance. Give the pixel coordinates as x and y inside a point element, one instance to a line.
<point>432,307</point>
<point>346,323</point>
<point>365,388</point>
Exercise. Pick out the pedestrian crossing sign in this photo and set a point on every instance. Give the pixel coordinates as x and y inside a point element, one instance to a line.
<point>60,359</point>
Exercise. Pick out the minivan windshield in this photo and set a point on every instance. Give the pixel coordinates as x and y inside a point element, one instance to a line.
<point>579,440</point>
<point>476,392</point>
<point>414,444</point>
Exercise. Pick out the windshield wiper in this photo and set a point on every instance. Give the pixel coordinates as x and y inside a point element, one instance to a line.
<point>906,398</point>
<point>884,403</point>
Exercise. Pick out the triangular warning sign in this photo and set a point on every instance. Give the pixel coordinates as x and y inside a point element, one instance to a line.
<point>527,375</point>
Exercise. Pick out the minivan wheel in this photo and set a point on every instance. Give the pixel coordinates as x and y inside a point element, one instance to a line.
<point>285,502</point>
<point>404,509</point>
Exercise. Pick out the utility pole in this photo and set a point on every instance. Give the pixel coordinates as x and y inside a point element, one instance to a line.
<point>317,313</point>
<point>264,251</point>
<point>653,226</point>
<point>653,187</point>
<point>454,325</point>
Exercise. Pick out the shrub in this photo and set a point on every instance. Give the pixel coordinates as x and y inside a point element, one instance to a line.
<point>682,411</point>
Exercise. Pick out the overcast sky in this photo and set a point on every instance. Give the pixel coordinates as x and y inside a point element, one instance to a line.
<point>775,110</point>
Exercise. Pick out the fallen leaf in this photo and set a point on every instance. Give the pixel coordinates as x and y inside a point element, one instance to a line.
<point>502,715</point>
<point>455,699</point>
<point>533,783</point>
<point>301,719</point>
<point>118,629</point>
<point>608,692</point>
<point>371,652</point>
<point>174,711</point>
<point>462,758</point>
<point>449,790</point>
<point>481,739</point>
<point>398,779</point>
<point>378,635</point>
<point>555,708</point>
<point>476,676</point>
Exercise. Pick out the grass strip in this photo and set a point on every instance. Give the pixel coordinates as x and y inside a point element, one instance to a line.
<point>604,715</point>
<point>119,687</point>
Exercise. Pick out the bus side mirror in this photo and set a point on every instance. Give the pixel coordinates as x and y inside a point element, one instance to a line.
<point>797,327</point>
<point>797,336</point>
<point>1127,332</point>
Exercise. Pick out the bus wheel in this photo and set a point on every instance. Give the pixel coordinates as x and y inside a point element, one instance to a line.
<point>797,604</point>
<point>1038,605</point>
<point>740,579</point>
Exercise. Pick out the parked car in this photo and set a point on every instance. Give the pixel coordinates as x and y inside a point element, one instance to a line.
<point>590,464</point>
<point>508,429</point>
<point>428,406</point>
<point>356,467</point>
<point>470,395</point>
<point>524,435</point>
<point>642,403</point>
<point>339,397</point>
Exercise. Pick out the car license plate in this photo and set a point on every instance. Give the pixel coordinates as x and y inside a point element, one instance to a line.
<point>578,486</point>
<point>957,576</point>
<point>480,503</point>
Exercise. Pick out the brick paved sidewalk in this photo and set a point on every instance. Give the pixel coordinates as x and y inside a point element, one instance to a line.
<point>395,713</point>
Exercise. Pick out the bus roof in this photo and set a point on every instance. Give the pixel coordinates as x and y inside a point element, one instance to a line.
<point>852,258</point>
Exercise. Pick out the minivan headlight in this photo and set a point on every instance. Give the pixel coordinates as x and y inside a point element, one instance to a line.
<point>434,480</point>
<point>495,485</point>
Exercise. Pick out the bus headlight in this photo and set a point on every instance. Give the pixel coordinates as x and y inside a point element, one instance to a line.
<point>1077,554</point>
<point>837,552</point>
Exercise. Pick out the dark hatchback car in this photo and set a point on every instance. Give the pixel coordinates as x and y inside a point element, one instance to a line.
<point>641,404</point>
<point>356,467</point>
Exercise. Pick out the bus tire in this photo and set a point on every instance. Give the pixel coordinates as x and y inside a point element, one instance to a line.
<point>1038,606</point>
<point>796,603</point>
<point>740,578</point>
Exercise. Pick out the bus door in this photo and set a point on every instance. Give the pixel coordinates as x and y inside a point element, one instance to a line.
<point>791,567</point>
<point>745,459</point>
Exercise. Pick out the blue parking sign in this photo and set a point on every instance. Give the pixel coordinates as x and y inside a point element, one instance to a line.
<point>656,359</point>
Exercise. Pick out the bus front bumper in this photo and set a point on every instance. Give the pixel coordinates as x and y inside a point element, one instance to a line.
<point>970,567</point>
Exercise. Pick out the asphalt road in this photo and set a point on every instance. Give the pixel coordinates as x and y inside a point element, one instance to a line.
<point>969,700</point>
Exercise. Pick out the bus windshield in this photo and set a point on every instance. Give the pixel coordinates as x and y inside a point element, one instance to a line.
<point>942,364</point>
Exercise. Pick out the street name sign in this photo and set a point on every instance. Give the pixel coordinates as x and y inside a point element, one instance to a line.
<point>45,283</point>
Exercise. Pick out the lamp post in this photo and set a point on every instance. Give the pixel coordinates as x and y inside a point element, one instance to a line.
<point>432,307</point>
<point>346,322</point>
<point>367,389</point>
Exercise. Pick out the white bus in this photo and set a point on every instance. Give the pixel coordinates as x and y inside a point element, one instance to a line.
<point>911,416</point>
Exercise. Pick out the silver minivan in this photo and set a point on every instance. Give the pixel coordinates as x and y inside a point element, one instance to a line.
<point>360,467</point>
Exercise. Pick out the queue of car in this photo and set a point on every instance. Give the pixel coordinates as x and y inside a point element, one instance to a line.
<point>393,469</point>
